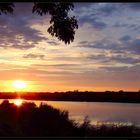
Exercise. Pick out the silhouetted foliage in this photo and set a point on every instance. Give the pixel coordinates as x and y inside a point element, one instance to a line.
<point>6,8</point>
<point>62,25</point>
<point>30,120</point>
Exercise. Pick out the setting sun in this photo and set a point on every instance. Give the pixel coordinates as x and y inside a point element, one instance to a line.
<point>19,84</point>
<point>18,102</point>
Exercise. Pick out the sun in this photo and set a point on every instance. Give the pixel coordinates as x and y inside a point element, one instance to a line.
<point>18,102</point>
<point>19,84</point>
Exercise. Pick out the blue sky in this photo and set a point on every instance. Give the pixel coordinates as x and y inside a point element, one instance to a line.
<point>105,54</point>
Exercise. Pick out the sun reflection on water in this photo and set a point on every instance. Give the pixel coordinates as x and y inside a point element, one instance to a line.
<point>18,102</point>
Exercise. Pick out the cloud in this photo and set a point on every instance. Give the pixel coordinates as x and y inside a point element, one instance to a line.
<point>19,37</point>
<point>16,31</point>
<point>115,69</point>
<point>63,67</point>
<point>98,24</point>
<point>94,21</point>
<point>102,59</point>
<point>127,43</point>
<point>108,9</point>
<point>54,43</point>
<point>89,13</point>
<point>119,75</point>
<point>128,26</point>
<point>125,59</point>
<point>118,25</point>
<point>125,38</point>
<point>131,45</point>
<point>34,56</point>
<point>134,46</point>
<point>100,44</point>
<point>114,53</point>
<point>101,9</point>
<point>134,6</point>
<point>97,13</point>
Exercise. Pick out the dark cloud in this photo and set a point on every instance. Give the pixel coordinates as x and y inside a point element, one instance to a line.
<point>98,24</point>
<point>101,44</point>
<point>94,21</point>
<point>105,9</point>
<point>56,65</point>
<point>131,45</point>
<point>124,59</point>
<point>115,69</point>
<point>23,7</point>
<point>80,5</point>
<point>91,16</point>
<point>124,73</point>
<point>96,12</point>
<point>16,31</point>
<point>125,38</point>
<point>83,42</point>
<point>101,58</point>
<point>134,6</point>
<point>118,25</point>
<point>128,26</point>
<point>54,43</point>
<point>128,44</point>
<point>34,56</point>
<point>118,51</point>
<point>20,37</point>
<point>134,46</point>
<point>64,67</point>
<point>109,9</point>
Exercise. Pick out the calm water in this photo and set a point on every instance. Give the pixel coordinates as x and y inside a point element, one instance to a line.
<point>108,113</point>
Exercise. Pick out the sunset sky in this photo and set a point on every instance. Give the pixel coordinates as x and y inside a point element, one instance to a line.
<point>105,54</point>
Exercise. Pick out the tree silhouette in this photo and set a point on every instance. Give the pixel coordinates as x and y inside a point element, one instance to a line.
<point>62,25</point>
<point>6,8</point>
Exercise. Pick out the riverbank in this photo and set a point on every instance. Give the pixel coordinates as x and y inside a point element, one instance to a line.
<point>117,97</point>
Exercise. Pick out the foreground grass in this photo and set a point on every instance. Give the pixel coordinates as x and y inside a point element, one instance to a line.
<point>30,120</point>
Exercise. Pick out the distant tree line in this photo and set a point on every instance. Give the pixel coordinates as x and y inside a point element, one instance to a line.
<point>121,96</point>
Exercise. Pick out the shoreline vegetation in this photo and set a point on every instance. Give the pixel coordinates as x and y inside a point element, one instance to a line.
<point>78,96</point>
<point>28,120</point>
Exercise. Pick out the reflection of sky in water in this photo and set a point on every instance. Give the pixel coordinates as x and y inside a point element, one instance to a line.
<point>121,113</point>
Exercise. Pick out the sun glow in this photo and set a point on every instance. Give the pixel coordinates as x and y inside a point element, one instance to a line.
<point>18,102</point>
<point>19,84</point>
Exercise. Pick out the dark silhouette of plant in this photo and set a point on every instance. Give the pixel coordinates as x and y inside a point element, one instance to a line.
<point>6,8</point>
<point>62,25</point>
<point>30,120</point>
